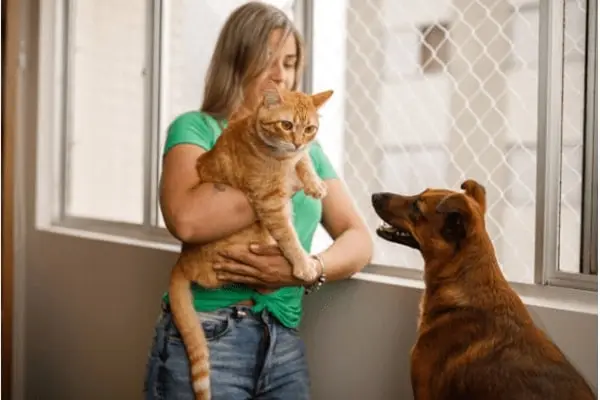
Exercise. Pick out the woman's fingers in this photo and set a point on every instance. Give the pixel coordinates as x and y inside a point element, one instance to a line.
<point>233,268</point>
<point>234,278</point>
<point>265,249</point>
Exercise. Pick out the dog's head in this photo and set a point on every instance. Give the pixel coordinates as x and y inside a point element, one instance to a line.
<point>435,220</point>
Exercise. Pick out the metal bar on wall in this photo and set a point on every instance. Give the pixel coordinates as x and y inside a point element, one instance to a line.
<point>152,117</point>
<point>304,20</point>
<point>66,117</point>
<point>549,138</point>
<point>589,231</point>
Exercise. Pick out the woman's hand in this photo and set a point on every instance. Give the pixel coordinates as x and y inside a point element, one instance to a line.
<point>260,266</point>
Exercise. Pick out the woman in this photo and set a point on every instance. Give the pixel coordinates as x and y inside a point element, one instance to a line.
<point>255,349</point>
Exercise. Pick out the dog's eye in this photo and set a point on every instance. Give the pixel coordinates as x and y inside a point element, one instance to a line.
<point>415,207</point>
<point>415,214</point>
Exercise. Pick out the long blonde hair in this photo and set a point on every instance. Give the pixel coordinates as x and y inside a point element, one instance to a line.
<point>241,55</point>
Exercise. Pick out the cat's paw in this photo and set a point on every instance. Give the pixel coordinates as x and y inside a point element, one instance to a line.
<point>306,271</point>
<point>317,189</point>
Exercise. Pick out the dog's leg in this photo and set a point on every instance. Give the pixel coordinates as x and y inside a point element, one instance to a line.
<point>419,376</point>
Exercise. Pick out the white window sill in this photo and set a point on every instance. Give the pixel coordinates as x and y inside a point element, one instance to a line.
<point>553,297</point>
<point>111,238</point>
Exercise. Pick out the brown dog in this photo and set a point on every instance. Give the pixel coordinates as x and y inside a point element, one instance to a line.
<point>476,339</point>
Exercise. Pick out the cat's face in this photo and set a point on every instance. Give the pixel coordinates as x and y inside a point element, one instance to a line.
<point>288,121</point>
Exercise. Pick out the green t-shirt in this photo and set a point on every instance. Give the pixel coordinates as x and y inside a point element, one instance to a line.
<point>285,304</point>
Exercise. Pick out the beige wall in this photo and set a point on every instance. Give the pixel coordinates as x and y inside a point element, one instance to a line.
<point>85,311</point>
<point>91,307</point>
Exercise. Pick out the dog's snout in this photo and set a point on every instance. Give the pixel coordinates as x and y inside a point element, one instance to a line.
<point>379,199</point>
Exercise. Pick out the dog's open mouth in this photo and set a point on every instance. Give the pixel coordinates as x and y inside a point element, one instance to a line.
<point>397,235</point>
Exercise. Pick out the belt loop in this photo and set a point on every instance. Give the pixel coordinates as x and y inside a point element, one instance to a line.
<point>264,315</point>
<point>164,306</point>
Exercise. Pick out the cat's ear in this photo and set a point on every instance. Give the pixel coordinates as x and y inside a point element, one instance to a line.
<point>321,98</point>
<point>272,96</point>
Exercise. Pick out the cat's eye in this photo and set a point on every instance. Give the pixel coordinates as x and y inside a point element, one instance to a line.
<point>286,125</point>
<point>309,130</point>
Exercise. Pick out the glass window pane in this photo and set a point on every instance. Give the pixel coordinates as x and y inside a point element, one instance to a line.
<point>187,49</point>
<point>107,109</point>
<point>435,92</point>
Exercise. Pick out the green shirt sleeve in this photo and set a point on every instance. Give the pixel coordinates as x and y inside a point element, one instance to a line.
<point>321,162</point>
<point>192,128</point>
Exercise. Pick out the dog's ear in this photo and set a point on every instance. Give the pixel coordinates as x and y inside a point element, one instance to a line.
<point>476,192</point>
<point>457,212</point>
<point>454,203</point>
<point>454,228</point>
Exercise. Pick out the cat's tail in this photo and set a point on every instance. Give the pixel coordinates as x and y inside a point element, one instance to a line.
<point>190,329</point>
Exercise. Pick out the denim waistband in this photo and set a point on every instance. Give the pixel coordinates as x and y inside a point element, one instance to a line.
<point>234,311</point>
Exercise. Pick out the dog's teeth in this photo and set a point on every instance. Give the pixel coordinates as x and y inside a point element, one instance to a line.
<point>386,227</point>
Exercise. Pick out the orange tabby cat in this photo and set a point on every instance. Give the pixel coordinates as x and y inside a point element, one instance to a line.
<point>264,154</point>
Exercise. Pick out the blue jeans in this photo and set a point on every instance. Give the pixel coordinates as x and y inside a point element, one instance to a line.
<point>252,356</point>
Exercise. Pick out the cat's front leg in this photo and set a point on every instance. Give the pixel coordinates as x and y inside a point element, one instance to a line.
<point>275,215</point>
<point>313,185</point>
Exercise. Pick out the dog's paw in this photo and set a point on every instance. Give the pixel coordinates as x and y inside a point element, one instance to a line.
<point>317,190</point>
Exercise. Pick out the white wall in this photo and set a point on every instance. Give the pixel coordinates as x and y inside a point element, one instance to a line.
<point>359,335</point>
<point>91,307</point>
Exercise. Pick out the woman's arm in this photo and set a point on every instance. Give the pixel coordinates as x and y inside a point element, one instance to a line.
<point>352,248</point>
<point>198,213</point>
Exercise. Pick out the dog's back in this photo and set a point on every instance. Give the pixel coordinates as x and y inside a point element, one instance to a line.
<point>492,355</point>
<point>476,339</point>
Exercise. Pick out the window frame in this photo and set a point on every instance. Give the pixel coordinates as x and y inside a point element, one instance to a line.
<point>549,156</point>
<point>59,57</point>
<point>53,129</point>
<point>549,151</point>
<point>53,164</point>
<point>589,248</point>
<point>304,21</point>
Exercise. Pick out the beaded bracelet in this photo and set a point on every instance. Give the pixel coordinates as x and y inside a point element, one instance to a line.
<point>320,280</point>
